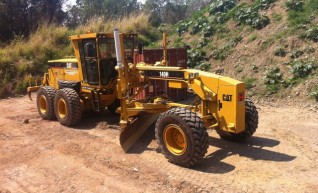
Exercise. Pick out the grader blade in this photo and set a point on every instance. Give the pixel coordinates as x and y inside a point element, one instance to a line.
<point>130,134</point>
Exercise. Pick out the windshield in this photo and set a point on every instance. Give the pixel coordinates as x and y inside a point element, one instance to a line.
<point>129,49</point>
<point>107,48</point>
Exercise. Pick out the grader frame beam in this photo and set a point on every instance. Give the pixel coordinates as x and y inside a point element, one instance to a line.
<point>216,93</point>
<point>92,82</point>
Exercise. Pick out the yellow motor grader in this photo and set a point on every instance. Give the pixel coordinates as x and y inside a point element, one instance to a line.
<point>103,75</point>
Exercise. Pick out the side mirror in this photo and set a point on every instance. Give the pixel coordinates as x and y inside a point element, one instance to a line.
<point>140,47</point>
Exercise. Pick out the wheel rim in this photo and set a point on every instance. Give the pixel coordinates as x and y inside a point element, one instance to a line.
<point>43,104</point>
<point>175,139</point>
<point>61,108</point>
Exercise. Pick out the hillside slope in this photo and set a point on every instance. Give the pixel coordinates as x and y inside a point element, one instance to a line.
<point>271,45</point>
<point>24,60</point>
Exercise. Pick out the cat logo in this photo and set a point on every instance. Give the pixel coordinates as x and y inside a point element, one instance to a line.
<point>227,97</point>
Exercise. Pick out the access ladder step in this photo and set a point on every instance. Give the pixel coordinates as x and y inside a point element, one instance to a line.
<point>96,101</point>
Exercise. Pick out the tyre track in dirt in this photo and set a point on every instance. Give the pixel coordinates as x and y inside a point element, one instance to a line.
<point>43,156</point>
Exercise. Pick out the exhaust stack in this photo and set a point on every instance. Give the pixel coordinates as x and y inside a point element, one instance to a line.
<point>118,49</point>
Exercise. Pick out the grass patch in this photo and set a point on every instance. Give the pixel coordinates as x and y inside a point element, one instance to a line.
<point>249,82</point>
<point>277,17</point>
<point>274,80</point>
<point>301,12</point>
<point>252,38</point>
<point>314,92</point>
<point>24,58</point>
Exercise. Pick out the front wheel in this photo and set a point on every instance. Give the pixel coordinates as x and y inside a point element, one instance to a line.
<point>67,107</point>
<point>251,124</point>
<point>181,136</point>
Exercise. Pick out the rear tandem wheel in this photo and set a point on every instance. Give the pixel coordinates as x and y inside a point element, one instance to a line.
<point>181,136</point>
<point>67,107</point>
<point>45,102</point>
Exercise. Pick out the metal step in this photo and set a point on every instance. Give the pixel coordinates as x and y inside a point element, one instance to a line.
<point>96,101</point>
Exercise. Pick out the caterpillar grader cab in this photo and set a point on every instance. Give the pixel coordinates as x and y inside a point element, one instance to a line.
<point>102,75</point>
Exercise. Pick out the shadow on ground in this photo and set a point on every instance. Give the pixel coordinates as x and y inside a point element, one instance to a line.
<point>90,120</point>
<point>252,148</point>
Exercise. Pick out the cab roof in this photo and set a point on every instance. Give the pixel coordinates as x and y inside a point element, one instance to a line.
<point>95,35</point>
<point>65,60</point>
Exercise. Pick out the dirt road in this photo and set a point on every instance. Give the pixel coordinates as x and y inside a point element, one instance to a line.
<point>43,156</point>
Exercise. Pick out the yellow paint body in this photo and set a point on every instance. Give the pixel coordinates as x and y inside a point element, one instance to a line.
<point>222,98</point>
<point>220,105</point>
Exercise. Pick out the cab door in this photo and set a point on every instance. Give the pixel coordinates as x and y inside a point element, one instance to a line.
<point>89,60</point>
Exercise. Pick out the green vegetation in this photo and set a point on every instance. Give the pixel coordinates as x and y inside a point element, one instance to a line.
<point>296,53</point>
<point>221,6</point>
<point>249,82</point>
<point>250,16</point>
<point>275,38</point>
<point>24,61</point>
<point>277,17</point>
<point>280,51</point>
<point>302,68</point>
<point>295,5</point>
<point>314,92</point>
<point>301,12</point>
<point>196,57</point>
<point>222,52</point>
<point>274,80</point>
<point>182,28</point>
<point>311,34</point>
<point>252,38</point>
<point>299,69</point>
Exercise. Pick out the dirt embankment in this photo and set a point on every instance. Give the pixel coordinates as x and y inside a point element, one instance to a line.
<point>43,156</point>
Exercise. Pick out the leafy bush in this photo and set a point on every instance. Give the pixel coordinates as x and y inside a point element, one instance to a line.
<point>314,93</point>
<point>309,50</point>
<point>296,53</point>
<point>222,52</point>
<point>301,13</point>
<point>301,68</point>
<point>208,31</point>
<point>203,42</point>
<point>311,34</point>
<point>221,6</point>
<point>255,68</point>
<point>220,18</point>
<point>203,65</point>
<point>199,24</point>
<point>250,16</point>
<point>196,57</point>
<point>280,51</point>
<point>274,80</point>
<point>264,4</point>
<point>239,68</point>
<point>296,5</point>
<point>249,82</point>
<point>182,28</point>
<point>252,38</point>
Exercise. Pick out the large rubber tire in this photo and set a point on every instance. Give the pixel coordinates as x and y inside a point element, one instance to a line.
<point>114,106</point>
<point>251,124</point>
<point>67,107</point>
<point>181,136</point>
<point>45,102</point>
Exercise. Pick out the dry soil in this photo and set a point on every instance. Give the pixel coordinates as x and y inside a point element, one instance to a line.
<point>43,156</point>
